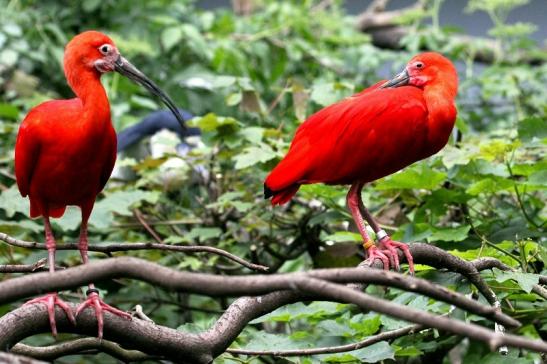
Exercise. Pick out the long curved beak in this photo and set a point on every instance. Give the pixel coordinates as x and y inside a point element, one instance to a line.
<point>124,67</point>
<point>400,80</point>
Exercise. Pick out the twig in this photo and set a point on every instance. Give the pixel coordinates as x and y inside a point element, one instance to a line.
<point>140,314</point>
<point>77,346</point>
<point>147,227</point>
<point>388,335</point>
<point>117,247</point>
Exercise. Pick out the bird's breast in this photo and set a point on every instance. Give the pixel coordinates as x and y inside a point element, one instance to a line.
<point>72,162</point>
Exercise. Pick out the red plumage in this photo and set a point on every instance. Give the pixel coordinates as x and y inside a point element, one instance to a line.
<point>373,133</point>
<point>64,155</point>
<point>66,149</point>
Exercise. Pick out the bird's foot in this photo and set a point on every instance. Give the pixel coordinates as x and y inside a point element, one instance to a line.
<point>389,248</point>
<point>374,253</point>
<point>50,300</point>
<point>99,306</point>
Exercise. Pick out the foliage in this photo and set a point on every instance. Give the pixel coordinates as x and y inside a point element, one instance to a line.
<point>251,81</point>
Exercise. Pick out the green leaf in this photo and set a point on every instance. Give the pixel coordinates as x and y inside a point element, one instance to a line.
<point>420,176</point>
<point>342,236</point>
<point>449,234</point>
<point>371,354</point>
<point>489,185</point>
<point>533,127</point>
<point>119,202</point>
<point>327,93</point>
<point>526,281</point>
<point>234,98</point>
<point>12,202</point>
<point>365,324</point>
<point>410,351</point>
<point>212,122</point>
<point>253,155</point>
<point>171,36</point>
<point>203,233</point>
<point>8,111</point>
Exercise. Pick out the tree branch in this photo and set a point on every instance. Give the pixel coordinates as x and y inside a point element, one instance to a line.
<point>134,334</point>
<point>283,288</point>
<point>9,358</point>
<point>39,266</point>
<point>214,285</point>
<point>118,247</point>
<point>72,347</point>
<point>387,335</point>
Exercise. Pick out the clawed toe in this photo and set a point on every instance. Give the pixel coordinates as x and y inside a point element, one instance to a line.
<point>391,246</point>
<point>50,301</point>
<point>99,306</point>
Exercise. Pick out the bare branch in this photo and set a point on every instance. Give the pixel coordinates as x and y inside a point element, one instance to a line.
<point>132,334</point>
<point>388,335</point>
<point>148,228</point>
<point>9,358</point>
<point>117,247</point>
<point>287,288</point>
<point>39,266</point>
<point>77,346</point>
<point>214,285</point>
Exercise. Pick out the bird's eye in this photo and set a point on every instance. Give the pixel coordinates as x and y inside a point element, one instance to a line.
<point>105,49</point>
<point>419,65</point>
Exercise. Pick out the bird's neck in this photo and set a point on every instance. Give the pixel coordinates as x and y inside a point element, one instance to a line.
<point>442,115</point>
<point>87,86</point>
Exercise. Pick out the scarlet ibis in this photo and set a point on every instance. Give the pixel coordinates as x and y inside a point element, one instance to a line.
<point>66,149</point>
<point>369,135</point>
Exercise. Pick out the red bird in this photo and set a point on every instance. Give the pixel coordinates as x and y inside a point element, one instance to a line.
<point>370,135</point>
<point>66,149</point>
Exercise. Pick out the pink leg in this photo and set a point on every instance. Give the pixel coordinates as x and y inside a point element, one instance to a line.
<point>51,299</point>
<point>385,241</point>
<point>94,300</point>
<point>353,200</point>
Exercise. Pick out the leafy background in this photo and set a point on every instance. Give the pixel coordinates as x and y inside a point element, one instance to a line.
<point>251,81</point>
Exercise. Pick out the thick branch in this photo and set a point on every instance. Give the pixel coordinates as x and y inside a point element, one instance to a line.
<point>246,309</point>
<point>117,247</point>
<point>9,358</point>
<point>133,334</point>
<point>215,340</point>
<point>214,285</point>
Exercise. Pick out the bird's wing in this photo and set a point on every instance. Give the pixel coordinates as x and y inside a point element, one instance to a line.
<point>380,130</point>
<point>110,159</point>
<point>27,150</point>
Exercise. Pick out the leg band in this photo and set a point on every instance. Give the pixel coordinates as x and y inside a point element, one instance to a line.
<point>381,234</point>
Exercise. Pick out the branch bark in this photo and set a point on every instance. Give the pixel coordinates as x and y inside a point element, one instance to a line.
<point>118,247</point>
<point>276,290</point>
<point>56,351</point>
<point>214,285</point>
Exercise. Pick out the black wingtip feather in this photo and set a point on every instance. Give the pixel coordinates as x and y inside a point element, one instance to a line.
<point>267,192</point>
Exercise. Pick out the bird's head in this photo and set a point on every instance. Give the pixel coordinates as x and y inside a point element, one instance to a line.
<point>94,53</point>
<point>425,70</point>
